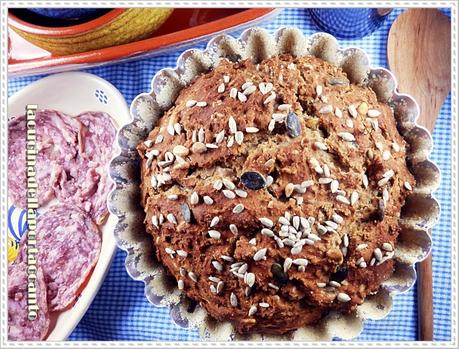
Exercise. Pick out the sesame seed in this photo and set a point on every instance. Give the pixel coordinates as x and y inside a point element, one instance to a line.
<point>242,97</point>
<point>321,146</point>
<point>321,284</point>
<point>331,224</point>
<point>180,150</point>
<point>296,249</point>
<point>233,93</point>
<point>354,197</point>
<point>226,79</point>
<point>201,104</point>
<point>161,218</point>
<point>301,262</point>
<point>383,181</point>
<point>214,221</point>
<point>229,194</point>
<point>321,228</point>
<point>243,268</point>
<point>284,107</point>
<point>169,250</point>
<point>218,184</point>
<point>154,221</point>
<point>190,103</point>
<point>220,286</point>
<point>182,253</point>
<point>214,234</point>
<point>269,180</point>
<point>346,136</point>
<point>271,285</point>
<point>373,261</point>
<point>201,135</point>
<point>396,147</point>
<point>171,218</point>
<point>326,109</point>
<point>253,309</point>
<point>193,276</point>
<point>238,208</point>
<point>198,148</point>
<point>211,146</point>
<point>373,113</point>
<point>277,117</point>
<point>251,130</point>
<point>342,199</point>
<point>233,300</point>
<point>345,240</point>
<point>271,125</point>
<point>241,193</point>
<point>246,84</point>
<point>349,123</point>
<point>338,112</point>
<point>250,279</point>
<point>180,284</point>
<point>208,200</point>
<point>228,184</point>
<point>233,229</point>
<point>385,195</point>
<point>213,289</point>
<point>352,111</point>
<point>362,264</point>
<point>221,88</point>
<point>374,124</point>
<point>343,297</point>
<point>230,142</point>
<point>239,137</point>
<point>217,265</point>
<point>260,254</point>
<point>227,258</point>
<point>408,186</point>
<point>319,170</point>
<point>361,247</point>
<point>387,247</point>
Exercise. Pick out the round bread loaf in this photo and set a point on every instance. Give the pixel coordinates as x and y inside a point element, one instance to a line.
<point>273,192</point>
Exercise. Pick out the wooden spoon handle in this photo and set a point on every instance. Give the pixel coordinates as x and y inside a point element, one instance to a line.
<point>425,297</point>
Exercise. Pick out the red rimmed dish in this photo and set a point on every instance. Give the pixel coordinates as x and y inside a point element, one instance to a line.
<point>184,26</point>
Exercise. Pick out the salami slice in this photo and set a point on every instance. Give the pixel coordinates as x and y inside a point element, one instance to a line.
<point>88,183</point>
<point>57,147</point>
<point>68,243</point>
<point>20,328</point>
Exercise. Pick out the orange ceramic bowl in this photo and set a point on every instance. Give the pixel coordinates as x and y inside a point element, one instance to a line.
<point>118,26</point>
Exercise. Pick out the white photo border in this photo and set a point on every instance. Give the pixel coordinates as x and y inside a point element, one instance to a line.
<point>4,5</point>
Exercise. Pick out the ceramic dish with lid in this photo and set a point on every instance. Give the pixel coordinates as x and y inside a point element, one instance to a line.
<point>419,213</point>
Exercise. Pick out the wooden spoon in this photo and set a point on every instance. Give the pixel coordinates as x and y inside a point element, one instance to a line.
<point>419,54</point>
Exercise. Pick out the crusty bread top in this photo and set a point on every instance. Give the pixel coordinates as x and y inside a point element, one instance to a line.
<point>273,192</point>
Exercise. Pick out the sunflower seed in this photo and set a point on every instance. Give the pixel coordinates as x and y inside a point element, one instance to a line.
<point>270,98</point>
<point>319,90</point>
<point>238,208</point>
<point>251,130</point>
<point>217,265</point>
<point>346,136</point>
<point>198,148</point>
<point>343,297</point>
<point>378,254</point>
<point>352,110</point>
<point>208,200</point>
<point>228,194</point>
<point>233,300</point>
<point>342,199</point>
<point>214,221</point>
<point>193,276</point>
<point>218,184</point>
<point>253,309</point>
<point>214,234</point>
<point>190,103</point>
<point>373,113</point>
<point>326,109</point>
<point>171,218</point>
<point>233,229</point>
<point>338,112</point>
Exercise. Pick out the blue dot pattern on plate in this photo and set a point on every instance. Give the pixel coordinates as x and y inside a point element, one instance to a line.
<point>101,96</point>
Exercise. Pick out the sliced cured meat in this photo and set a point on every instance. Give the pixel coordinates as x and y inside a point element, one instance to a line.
<point>57,147</point>
<point>20,328</point>
<point>88,183</point>
<point>69,244</point>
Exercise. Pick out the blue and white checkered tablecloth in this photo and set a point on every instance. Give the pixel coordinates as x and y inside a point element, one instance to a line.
<point>121,312</point>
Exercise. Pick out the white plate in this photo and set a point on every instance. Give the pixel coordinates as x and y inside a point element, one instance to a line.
<point>74,93</point>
